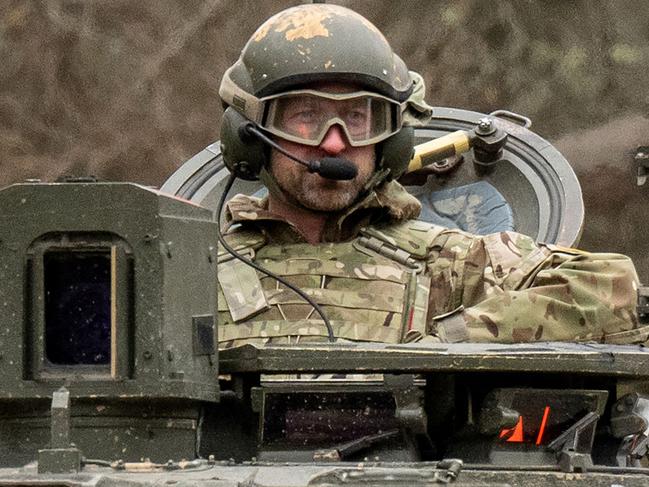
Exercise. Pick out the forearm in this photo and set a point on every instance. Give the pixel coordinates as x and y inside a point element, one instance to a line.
<point>570,296</point>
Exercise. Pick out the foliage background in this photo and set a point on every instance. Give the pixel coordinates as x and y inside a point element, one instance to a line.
<point>126,90</point>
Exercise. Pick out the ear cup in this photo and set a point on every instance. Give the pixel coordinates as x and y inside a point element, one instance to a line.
<point>244,156</point>
<point>396,152</point>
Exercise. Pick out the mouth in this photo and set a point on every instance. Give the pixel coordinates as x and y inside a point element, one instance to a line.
<point>329,183</point>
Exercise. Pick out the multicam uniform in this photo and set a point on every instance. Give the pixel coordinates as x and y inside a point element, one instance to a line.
<point>382,276</point>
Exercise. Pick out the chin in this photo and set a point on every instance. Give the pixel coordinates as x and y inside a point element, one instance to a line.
<point>326,201</point>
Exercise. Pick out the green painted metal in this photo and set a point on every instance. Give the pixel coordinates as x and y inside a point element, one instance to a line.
<point>159,290</point>
<point>540,358</point>
<point>165,275</point>
<point>159,413</point>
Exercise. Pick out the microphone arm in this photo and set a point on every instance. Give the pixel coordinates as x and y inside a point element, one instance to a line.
<point>328,167</point>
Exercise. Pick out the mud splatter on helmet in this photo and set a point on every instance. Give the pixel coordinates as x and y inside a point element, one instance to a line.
<point>303,46</point>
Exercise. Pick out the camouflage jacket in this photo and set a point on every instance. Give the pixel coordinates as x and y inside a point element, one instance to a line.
<point>502,287</point>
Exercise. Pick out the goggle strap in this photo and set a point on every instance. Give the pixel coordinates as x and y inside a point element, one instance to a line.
<point>245,103</point>
<point>333,96</point>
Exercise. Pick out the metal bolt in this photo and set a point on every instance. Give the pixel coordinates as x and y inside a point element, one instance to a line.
<point>485,123</point>
<point>486,126</point>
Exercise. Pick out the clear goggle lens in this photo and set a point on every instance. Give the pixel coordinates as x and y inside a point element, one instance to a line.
<point>306,116</point>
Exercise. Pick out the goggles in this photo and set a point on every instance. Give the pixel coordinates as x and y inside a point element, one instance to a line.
<point>305,116</point>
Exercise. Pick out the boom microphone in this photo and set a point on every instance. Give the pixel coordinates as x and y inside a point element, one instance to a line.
<point>335,168</point>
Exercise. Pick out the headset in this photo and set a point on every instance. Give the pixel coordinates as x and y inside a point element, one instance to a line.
<point>245,150</point>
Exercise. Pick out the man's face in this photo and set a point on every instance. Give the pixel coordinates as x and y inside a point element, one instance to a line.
<point>309,189</point>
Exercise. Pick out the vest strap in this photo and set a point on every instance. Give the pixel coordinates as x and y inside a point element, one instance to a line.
<point>389,251</point>
<point>367,332</point>
<point>333,297</point>
<point>363,271</point>
<point>413,236</point>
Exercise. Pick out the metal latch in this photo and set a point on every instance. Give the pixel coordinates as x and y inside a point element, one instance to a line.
<point>573,447</point>
<point>642,160</point>
<point>62,456</point>
<point>444,472</point>
<point>643,303</point>
<point>408,398</point>
<point>630,423</point>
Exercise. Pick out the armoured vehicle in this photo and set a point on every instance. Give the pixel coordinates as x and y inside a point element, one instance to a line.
<point>112,373</point>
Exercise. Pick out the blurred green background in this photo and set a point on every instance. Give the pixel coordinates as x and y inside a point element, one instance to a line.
<point>127,90</point>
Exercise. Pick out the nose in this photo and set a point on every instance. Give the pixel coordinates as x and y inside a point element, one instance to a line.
<point>334,141</point>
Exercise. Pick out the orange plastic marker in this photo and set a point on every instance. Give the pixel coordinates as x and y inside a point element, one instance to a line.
<point>546,413</point>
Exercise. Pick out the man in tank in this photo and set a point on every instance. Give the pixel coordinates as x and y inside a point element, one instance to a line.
<point>322,82</point>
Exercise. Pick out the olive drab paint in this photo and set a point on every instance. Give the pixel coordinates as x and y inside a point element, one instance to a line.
<point>159,295</point>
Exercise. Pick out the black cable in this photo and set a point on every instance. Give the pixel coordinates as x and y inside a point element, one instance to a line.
<point>335,168</point>
<point>235,254</point>
<point>250,128</point>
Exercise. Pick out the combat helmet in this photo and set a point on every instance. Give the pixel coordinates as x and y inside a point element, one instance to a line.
<point>302,46</point>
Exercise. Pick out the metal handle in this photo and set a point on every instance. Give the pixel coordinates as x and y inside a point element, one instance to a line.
<point>513,117</point>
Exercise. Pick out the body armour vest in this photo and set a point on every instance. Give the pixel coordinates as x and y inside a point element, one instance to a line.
<point>372,288</point>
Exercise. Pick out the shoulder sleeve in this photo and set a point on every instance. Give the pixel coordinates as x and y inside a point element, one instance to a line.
<point>514,290</point>
<point>241,240</point>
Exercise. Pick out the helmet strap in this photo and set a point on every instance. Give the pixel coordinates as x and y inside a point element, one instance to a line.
<point>271,184</point>
<point>377,178</point>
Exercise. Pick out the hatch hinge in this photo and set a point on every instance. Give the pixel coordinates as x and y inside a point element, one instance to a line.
<point>62,456</point>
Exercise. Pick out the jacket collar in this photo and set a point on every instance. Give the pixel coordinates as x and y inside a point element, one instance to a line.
<point>389,202</point>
